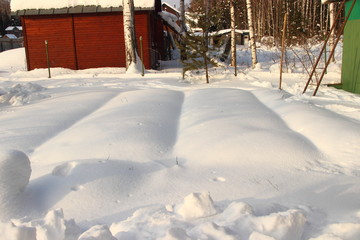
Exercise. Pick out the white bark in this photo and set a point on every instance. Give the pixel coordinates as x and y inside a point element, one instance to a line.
<point>251,31</point>
<point>332,21</point>
<point>129,32</point>
<point>206,38</point>
<point>233,36</point>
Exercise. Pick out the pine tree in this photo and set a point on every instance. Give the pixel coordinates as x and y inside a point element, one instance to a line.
<point>195,46</point>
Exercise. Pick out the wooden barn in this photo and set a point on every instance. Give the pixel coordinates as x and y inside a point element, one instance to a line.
<point>87,36</point>
<point>350,73</point>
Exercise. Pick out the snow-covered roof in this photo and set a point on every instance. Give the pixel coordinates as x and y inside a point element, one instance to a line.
<point>226,31</point>
<point>198,32</point>
<point>18,5</point>
<point>11,28</point>
<point>171,20</point>
<point>10,36</point>
<point>171,7</point>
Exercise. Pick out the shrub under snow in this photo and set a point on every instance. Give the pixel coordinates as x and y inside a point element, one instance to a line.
<point>15,171</point>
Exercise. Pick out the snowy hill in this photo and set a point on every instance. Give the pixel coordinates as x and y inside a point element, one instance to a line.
<point>108,155</point>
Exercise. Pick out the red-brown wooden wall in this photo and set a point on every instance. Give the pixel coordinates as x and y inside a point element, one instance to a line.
<point>80,41</point>
<point>58,33</point>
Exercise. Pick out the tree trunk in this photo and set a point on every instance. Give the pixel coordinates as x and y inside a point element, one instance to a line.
<point>251,31</point>
<point>129,32</point>
<point>182,16</point>
<point>233,36</point>
<point>183,30</point>
<point>332,21</point>
<point>206,39</point>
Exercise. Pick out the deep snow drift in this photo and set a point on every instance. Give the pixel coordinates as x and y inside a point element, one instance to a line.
<point>100,154</point>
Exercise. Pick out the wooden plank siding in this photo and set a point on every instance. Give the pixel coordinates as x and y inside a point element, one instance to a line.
<point>158,31</point>
<point>58,31</point>
<point>98,40</point>
<point>80,41</point>
<point>142,28</point>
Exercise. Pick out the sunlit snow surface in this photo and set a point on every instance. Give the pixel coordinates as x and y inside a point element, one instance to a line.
<point>120,156</point>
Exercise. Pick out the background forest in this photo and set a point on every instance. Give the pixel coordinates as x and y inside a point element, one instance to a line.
<point>305,18</point>
<point>4,15</point>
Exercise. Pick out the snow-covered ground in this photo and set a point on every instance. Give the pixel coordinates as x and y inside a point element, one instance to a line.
<point>100,154</point>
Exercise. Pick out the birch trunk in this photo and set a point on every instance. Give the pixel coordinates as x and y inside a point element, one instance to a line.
<point>129,32</point>
<point>251,31</point>
<point>332,21</point>
<point>206,39</point>
<point>233,36</point>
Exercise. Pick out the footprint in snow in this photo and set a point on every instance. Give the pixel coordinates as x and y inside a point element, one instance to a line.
<point>77,188</point>
<point>63,170</point>
<point>219,179</point>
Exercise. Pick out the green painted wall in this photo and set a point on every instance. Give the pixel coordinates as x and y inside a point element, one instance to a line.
<point>350,74</point>
<point>355,14</point>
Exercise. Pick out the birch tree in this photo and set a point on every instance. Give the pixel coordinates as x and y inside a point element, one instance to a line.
<point>196,47</point>
<point>129,33</point>
<point>233,36</point>
<point>252,35</point>
<point>206,40</point>
<point>332,21</point>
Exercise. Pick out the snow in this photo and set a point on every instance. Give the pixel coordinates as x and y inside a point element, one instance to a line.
<point>136,68</point>
<point>172,7</point>
<point>227,31</point>
<point>20,94</point>
<point>171,19</point>
<point>50,4</point>
<point>108,154</point>
<point>329,1</point>
<point>10,28</point>
<point>196,205</point>
<point>98,232</point>
<point>15,173</point>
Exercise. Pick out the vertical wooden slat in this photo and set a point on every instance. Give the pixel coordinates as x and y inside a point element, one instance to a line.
<point>23,21</point>
<point>74,38</point>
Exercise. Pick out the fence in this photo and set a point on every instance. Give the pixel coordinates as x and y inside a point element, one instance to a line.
<point>7,44</point>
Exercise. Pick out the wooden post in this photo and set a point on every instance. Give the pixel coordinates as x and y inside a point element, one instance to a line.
<point>47,57</point>
<point>142,57</point>
<point>325,56</point>
<point>282,50</point>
